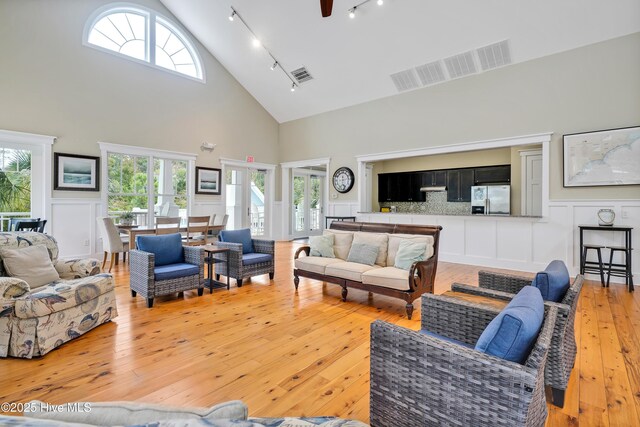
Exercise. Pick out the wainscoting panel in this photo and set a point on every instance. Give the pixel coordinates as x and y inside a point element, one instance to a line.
<point>73,224</point>
<point>514,241</point>
<point>480,241</point>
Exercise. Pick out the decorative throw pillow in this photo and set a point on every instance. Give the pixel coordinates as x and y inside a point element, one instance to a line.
<point>363,254</point>
<point>408,253</point>
<point>322,246</point>
<point>31,264</point>
<point>553,282</point>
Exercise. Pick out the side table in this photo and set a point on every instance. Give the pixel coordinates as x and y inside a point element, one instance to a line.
<point>210,259</point>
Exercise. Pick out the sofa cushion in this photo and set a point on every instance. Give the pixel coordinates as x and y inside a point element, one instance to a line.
<point>512,333</point>
<point>396,239</point>
<point>314,264</point>
<point>341,242</point>
<point>256,258</point>
<point>408,253</point>
<point>363,254</point>
<point>129,413</point>
<point>175,271</point>
<point>553,282</point>
<point>322,246</point>
<point>242,236</point>
<point>59,296</point>
<point>387,277</point>
<point>348,270</point>
<point>381,240</point>
<point>31,264</point>
<point>167,248</point>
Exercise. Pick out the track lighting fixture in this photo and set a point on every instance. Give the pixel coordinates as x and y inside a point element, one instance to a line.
<point>257,43</point>
<point>352,11</point>
<point>380,2</point>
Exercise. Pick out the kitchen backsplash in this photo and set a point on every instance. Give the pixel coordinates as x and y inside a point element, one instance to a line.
<point>436,204</point>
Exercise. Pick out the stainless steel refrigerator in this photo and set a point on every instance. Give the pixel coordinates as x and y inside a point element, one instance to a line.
<point>491,200</point>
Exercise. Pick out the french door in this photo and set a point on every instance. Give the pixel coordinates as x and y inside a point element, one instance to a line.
<point>246,194</point>
<point>307,207</point>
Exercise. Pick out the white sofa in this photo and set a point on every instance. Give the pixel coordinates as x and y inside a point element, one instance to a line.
<point>382,277</point>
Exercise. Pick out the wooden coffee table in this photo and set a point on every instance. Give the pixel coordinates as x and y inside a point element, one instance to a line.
<point>210,259</point>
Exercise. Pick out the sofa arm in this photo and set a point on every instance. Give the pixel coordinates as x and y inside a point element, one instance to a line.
<point>194,255</point>
<point>455,318</point>
<point>141,265</point>
<point>411,372</point>
<point>264,246</point>
<point>77,268</point>
<point>306,249</point>
<point>502,282</point>
<point>12,287</point>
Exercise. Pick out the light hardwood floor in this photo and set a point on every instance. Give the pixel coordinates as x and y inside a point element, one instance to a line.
<point>299,353</point>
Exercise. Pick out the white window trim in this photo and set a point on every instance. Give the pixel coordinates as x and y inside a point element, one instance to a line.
<point>181,33</point>
<point>107,147</point>
<point>41,175</point>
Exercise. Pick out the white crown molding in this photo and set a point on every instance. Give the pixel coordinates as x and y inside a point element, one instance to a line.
<point>10,136</point>
<point>144,151</point>
<point>305,163</point>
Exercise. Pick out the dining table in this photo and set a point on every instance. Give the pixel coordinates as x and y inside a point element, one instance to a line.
<point>135,230</point>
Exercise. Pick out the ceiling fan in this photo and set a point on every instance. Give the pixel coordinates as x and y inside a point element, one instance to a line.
<point>326,6</point>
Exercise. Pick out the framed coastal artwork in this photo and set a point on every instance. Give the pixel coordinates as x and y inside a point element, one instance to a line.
<point>75,172</point>
<point>208,181</point>
<point>604,157</point>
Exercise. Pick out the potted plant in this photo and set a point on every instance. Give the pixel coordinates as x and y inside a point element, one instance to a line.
<point>126,218</point>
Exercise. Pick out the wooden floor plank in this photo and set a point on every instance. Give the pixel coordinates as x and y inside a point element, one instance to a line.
<point>305,352</point>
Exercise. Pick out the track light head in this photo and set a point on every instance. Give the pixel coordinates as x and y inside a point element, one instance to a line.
<point>275,64</point>
<point>233,14</point>
<point>256,42</point>
<point>293,87</point>
<point>352,12</point>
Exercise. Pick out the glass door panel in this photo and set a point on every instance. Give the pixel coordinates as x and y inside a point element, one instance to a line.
<point>170,188</point>
<point>245,193</point>
<point>256,200</point>
<point>316,210</point>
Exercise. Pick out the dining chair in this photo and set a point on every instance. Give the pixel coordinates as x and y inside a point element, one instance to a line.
<point>167,225</point>
<point>215,229</point>
<point>31,225</point>
<point>14,221</point>
<point>197,230</point>
<point>112,242</point>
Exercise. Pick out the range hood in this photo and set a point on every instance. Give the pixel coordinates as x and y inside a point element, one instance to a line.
<point>433,188</point>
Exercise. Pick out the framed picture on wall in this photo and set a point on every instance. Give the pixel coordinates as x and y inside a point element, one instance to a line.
<point>208,181</point>
<point>604,157</point>
<point>76,173</point>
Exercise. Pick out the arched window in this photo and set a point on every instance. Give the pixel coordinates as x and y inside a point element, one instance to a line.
<point>132,31</point>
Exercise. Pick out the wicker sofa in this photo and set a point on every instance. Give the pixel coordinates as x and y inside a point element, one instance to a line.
<point>35,321</point>
<point>422,379</point>
<point>562,354</point>
<point>382,278</point>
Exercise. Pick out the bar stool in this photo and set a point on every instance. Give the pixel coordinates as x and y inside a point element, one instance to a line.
<point>592,266</point>
<point>620,270</point>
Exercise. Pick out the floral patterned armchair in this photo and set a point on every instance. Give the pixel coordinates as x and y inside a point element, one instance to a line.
<point>35,321</point>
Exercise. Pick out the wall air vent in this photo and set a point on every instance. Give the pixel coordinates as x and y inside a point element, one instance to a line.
<point>460,65</point>
<point>405,80</point>
<point>495,55</point>
<point>431,73</point>
<point>301,75</point>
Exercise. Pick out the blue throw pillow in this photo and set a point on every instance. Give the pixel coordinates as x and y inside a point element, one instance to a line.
<point>167,247</point>
<point>512,333</point>
<point>238,236</point>
<point>553,282</point>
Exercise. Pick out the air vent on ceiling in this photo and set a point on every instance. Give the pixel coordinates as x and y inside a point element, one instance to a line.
<point>430,73</point>
<point>495,55</point>
<point>301,75</point>
<point>460,65</point>
<point>405,80</point>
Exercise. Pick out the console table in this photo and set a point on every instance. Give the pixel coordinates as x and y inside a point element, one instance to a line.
<point>618,269</point>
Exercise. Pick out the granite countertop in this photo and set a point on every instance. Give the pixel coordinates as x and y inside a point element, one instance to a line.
<point>445,214</point>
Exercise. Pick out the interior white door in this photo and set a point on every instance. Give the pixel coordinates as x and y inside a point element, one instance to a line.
<point>532,184</point>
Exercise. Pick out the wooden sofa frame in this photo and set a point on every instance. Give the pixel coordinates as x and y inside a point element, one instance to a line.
<point>422,274</point>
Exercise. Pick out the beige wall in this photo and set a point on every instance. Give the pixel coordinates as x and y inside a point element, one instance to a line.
<point>590,88</point>
<point>51,84</point>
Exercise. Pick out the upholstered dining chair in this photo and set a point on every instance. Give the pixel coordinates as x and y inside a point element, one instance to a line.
<point>216,228</point>
<point>197,230</point>
<point>112,242</point>
<point>167,225</point>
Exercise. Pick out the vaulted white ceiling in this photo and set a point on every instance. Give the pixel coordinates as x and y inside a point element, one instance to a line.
<point>351,60</point>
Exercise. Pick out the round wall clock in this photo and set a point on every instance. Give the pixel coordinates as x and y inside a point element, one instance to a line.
<point>343,179</point>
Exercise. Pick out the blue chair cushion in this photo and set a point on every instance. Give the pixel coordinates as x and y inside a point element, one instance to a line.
<point>553,282</point>
<point>254,258</point>
<point>442,337</point>
<point>175,271</point>
<point>238,236</point>
<point>512,333</point>
<point>167,248</point>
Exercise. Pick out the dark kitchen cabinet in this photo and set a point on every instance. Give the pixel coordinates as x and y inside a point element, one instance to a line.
<point>459,183</point>
<point>400,187</point>
<point>492,175</point>
<point>383,187</point>
<point>433,178</point>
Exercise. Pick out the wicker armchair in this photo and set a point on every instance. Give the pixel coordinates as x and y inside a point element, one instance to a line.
<point>151,280</point>
<point>562,354</point>
<point>247,262</point>
<point>420,380</point>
